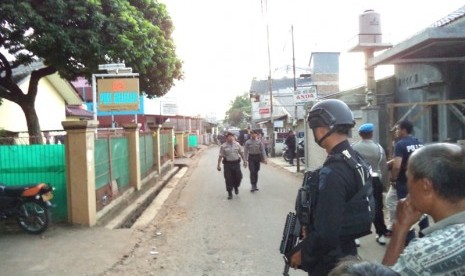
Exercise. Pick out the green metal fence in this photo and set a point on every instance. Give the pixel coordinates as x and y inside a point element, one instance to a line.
<point>165,143</point>
<point>111,168</point>
<point>193,141</point>
<point>146,154</point>
<point>30,164</point>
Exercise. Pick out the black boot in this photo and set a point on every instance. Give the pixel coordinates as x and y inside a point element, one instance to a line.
<point>229,194</point>
<point>254,188</point>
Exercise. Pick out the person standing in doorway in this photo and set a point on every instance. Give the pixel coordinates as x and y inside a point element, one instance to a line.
<point>291,145</point>
<point>375,156</point>
<point>231,153</point>
<point>254,150</point>
<point>404,147</point>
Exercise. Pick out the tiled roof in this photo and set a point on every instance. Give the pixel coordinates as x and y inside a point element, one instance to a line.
<point>72,110</point>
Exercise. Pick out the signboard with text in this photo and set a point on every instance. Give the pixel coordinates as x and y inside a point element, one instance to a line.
<point>118,94</point>
<point>305,94</point>
<point>169,109</point>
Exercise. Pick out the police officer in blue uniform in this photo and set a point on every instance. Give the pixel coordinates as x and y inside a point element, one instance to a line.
<point>405,146</point>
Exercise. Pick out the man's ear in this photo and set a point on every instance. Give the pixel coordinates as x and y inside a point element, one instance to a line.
<point>427,186</point>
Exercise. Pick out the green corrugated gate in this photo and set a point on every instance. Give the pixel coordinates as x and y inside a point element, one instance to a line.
<point>193,141</point>
<point>117,158</point>
<point>146,154</point>
<point>29,164</point>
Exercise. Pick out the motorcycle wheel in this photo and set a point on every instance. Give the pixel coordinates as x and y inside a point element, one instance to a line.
<point>286,156</point>
<point>33,216</point>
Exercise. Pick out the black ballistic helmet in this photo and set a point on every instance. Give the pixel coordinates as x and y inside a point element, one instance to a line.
<point>329,113</point>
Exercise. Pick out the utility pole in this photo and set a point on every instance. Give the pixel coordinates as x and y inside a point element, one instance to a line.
<point>270,86</point>
<point>295,104</point>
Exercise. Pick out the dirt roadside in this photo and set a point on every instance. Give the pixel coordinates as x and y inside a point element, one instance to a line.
<point>71,250</point>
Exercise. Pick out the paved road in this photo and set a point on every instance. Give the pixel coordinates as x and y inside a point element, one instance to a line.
<point>205,234</point>
<point>197,232</point>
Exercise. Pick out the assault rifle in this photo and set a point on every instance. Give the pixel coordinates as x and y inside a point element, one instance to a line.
<point>291,236</point>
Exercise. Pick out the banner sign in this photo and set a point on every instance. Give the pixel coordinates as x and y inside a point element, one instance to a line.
<point>305,94</point>
<point>264,110</point>
<point>118,94</point>
<point>169,109</point>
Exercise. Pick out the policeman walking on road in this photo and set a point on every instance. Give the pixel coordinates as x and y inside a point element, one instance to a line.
<point>254,150</point>
<point>231,153</point>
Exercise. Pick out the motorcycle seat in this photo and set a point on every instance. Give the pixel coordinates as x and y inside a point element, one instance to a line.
<point>14,190</point>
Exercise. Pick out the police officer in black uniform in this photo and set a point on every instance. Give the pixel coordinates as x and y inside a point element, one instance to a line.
<point>324,243</point>
<point>230,155</point>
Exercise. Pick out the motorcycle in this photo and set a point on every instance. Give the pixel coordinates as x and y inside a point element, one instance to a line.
<point>29,205</point>
<point>300,152</point>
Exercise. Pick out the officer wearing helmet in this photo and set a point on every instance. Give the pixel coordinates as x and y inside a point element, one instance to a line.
<point>325,238</point>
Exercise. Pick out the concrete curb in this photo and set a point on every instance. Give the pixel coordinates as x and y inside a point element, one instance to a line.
<point>142,200</point>
<point>152,210</point>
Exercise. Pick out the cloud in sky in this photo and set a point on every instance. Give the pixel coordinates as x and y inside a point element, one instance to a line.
<point>223,43</point>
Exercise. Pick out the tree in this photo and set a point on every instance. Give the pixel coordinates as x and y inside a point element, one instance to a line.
<point>72,37</point>
<point>238,114</point>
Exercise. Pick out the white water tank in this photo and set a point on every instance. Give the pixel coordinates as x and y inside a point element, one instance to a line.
<point>370,27</point>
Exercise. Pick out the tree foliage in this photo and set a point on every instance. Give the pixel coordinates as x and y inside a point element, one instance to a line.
<point>72,37</point>
<point>239,114</point>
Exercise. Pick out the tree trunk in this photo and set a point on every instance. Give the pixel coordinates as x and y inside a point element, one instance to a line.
<point>10,90</point>
<point>32,120</point>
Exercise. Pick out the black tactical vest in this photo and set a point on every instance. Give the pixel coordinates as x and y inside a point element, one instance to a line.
<point>359,210</point>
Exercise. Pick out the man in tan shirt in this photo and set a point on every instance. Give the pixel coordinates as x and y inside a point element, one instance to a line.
<point>231,153</point>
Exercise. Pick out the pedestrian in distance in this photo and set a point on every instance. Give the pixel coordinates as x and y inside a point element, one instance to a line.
<point>254,151</point>
<point>330,225</point>
<point>291,146</point>
<point>375,156</point>
<point>436,187</point>
<point>231,153</point>
<point>404,147</point>
<point>264,142</point>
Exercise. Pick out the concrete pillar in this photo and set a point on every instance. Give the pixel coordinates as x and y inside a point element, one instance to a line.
<point>186,142</point>
<point>180,143</point>
<point>132,133</point>
<point>171,142</point>
<point>156,147</point>
<point>80,172</point>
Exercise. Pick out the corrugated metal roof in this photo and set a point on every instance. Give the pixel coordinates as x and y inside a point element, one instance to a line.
<point>449,18</point>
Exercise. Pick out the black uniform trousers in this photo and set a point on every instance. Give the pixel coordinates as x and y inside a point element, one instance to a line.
<point>232,174</point>
<point>378,222</point>
<point>254,167</point>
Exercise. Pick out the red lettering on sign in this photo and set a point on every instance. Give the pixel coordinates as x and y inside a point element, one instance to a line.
<point>118,85</point>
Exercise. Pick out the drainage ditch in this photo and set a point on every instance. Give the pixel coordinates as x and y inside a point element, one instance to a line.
<point>132,218</point>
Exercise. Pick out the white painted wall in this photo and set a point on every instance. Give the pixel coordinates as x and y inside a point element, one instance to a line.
<point>50,108</point>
